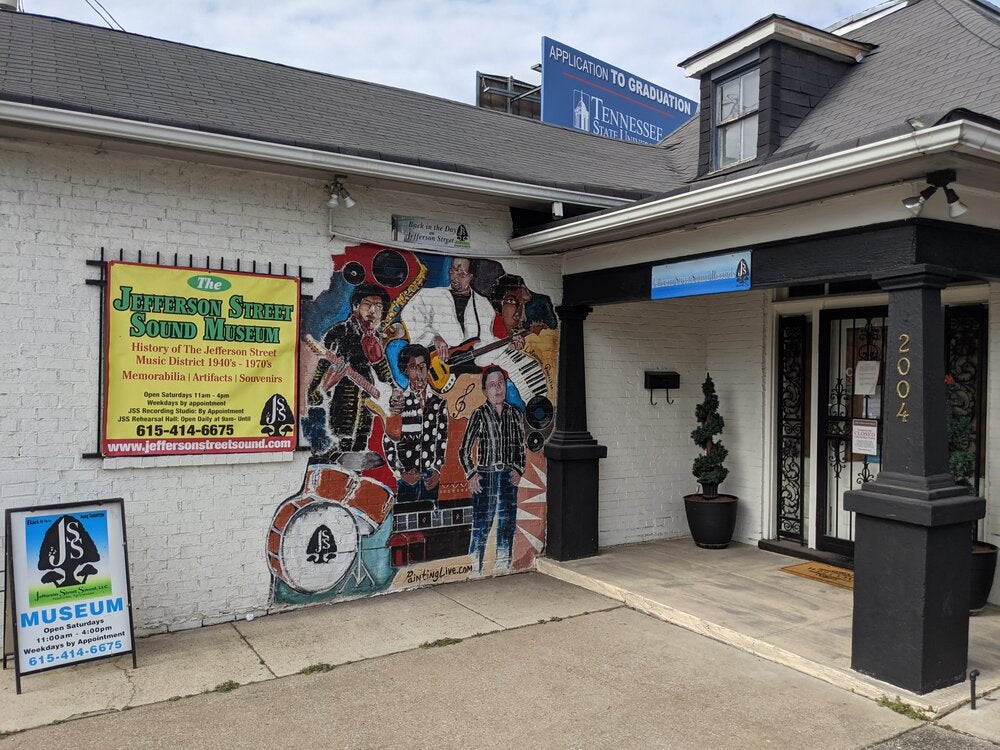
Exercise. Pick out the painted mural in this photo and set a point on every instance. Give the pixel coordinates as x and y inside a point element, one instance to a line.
<point>428,391</point>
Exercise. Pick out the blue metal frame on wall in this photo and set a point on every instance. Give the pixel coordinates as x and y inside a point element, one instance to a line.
<point>582,92</point>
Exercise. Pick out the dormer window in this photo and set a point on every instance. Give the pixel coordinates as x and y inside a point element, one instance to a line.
<point>759,84</point>
<point>737,100</point>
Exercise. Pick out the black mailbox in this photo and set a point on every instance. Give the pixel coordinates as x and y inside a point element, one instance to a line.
<point>662,380</point>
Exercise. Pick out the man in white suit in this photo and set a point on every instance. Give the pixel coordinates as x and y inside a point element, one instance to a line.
<point>443,317</point>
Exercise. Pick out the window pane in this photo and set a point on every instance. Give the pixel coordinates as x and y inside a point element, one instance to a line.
<point>735,119</point>
<point>751,90</point>
<point>729,100</point>
<point>749,149</point>
<point>729,144</point>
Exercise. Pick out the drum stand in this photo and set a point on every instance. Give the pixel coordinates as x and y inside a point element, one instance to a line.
<point>360,571</point>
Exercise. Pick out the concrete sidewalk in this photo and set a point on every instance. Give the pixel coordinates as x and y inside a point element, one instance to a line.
<point>738,597</point>
<point>190,662</point>
<point>741,597</point>
<point>603,681</point>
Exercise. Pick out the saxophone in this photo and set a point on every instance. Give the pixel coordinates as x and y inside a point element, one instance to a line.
<point>390,329</point>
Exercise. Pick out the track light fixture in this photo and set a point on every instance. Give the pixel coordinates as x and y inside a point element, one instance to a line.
<point>940,179</point>
<point>338,194</point>
<point>916,202</point>
<point>955,207</point>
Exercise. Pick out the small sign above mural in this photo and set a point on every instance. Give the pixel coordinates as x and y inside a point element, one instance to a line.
<point>719,273</point>
<point>70,599</point>
<point>199,361</point>
<point>430,232</point>
<point>582,92</point>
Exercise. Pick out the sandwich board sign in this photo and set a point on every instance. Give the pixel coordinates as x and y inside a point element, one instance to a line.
<point>68,596</point>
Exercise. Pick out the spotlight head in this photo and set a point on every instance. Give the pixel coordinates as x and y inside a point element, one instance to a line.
<point>915,203</point>
<point>349,202</point>
<point>955,207</point>
<point>333,202</point>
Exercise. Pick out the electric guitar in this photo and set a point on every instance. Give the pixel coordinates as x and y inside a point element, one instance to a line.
<point>439,374</point>
<point>376,394</point>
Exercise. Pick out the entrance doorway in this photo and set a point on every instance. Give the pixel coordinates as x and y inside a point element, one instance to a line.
<point>851,353</point>
<point>843,420</point>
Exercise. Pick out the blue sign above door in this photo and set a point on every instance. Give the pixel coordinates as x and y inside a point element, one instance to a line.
<point>719,273</point>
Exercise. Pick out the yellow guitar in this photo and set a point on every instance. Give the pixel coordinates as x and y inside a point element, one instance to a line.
<point>439,374</point>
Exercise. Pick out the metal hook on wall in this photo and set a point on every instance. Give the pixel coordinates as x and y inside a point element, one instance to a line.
<point>655,380</point>
<point>654,403</point>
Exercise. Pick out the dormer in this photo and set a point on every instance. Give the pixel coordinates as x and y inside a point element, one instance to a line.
<point>758,85</point>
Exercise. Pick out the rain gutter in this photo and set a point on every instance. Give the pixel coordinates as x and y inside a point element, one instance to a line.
<point>275,153</point>
<point>724,198</point>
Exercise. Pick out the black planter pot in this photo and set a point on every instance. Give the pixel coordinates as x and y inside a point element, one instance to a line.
<point>711,520</point>
<point>709,490</point>
<point>984,563</point>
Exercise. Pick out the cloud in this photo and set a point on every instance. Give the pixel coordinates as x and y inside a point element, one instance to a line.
<point>436,46</point>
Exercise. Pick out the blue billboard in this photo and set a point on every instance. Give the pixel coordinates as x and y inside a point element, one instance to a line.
<point>712,275</point>
<point>582,92</point>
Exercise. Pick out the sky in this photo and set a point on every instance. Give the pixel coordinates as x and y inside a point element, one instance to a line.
<point>437,46</point>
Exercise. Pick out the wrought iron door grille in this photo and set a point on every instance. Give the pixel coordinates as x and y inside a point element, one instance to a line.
<point>793,379</point>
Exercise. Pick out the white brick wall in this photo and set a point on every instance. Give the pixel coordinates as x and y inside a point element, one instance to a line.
<point>196,530</point>
<point>735,356</point>
<point>648,469</point>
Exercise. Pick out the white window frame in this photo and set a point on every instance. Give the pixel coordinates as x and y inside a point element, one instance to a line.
<point>746,112</point>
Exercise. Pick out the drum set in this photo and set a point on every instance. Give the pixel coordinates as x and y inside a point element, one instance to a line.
<point>314,541</point>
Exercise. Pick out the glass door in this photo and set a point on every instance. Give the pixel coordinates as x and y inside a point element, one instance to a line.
<point>852,348</point>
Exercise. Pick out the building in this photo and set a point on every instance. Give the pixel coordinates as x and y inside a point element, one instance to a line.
<point>508,94</point>
<point>806,145</point>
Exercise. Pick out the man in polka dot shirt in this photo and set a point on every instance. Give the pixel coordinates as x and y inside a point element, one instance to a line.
<point>416,450</point>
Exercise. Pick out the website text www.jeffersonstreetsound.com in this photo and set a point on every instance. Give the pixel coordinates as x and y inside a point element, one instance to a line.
<point>182,446</point>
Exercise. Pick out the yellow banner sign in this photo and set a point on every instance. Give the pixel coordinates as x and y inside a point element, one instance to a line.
<point>199,361</point>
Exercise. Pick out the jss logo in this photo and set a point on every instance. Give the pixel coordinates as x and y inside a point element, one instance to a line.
<point>67,552</point>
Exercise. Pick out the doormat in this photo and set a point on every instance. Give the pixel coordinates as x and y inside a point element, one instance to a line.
<point>818,571</point>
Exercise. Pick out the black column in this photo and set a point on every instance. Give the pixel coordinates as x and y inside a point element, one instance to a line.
<point>571,451</point>
<point>913,524</point>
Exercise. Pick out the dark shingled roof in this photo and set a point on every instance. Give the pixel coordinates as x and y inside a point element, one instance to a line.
<point>73,66</point>
<point>933,57</point>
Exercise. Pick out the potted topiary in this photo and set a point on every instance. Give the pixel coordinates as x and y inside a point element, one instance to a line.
<point>961,464</point>
<point>711,517</point>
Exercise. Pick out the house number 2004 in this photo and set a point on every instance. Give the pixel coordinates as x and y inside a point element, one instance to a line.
<point>903,369</point>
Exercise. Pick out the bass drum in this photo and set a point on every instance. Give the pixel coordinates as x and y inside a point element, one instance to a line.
<point>312,544</point>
